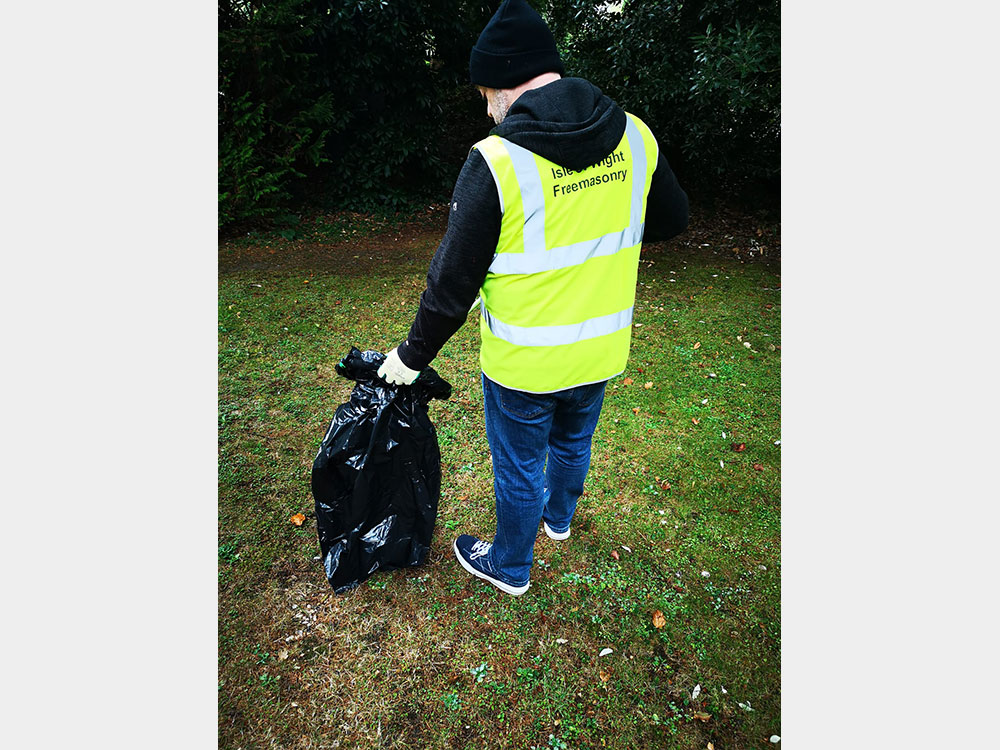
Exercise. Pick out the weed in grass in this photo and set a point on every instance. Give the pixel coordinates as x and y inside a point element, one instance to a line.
<point>651,490</point>
<point>479,673</point>
<point>576,579</point>
<point>498,687</point>
<point>670,720</point>
<point>555,743</point>
<point>420,582</point>
<point>526,674</point>
<point>268,680</point>
<point>261,654</point>
<point>452,701</point>
<point>447,433</point>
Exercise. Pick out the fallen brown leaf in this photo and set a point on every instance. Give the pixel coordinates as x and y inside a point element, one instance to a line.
<point>628,381</point>
<point>701,716</point>
<point>635,410</point>
<point>739,447</point>
<point>648,385</point>
<point>614,554</point>
<point>695,420</point>
<point>297,519</point>
<point>758,467</point>
<point>605,676</point>
<point>658,619</point>
<point>697,345</point>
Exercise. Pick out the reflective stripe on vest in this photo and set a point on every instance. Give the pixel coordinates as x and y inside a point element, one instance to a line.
<point>536,258</point>
<point>561,316</point>
<point>558,335</point>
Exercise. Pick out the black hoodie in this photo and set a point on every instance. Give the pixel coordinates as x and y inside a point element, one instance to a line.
<point>569,122</point>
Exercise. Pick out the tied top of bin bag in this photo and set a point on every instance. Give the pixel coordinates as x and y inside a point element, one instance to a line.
<point>362,367</point>
<point>377,476</point>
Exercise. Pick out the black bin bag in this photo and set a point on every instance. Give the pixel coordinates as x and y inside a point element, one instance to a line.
<point>377,477</point>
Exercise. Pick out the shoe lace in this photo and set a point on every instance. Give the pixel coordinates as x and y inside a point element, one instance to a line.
<point>479,549</point>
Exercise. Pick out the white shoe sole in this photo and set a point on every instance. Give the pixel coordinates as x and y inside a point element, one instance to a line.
<point>553,535</point>
<point>515,590</point>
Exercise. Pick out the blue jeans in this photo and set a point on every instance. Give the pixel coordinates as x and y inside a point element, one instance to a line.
<point>525,429</point>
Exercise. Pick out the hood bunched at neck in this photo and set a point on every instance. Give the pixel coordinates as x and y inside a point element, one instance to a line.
<point>569,121</point>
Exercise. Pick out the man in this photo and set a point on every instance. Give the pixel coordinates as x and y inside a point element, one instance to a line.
<point>546,222</point>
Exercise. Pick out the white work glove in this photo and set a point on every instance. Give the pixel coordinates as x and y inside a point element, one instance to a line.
<point>393,370</point>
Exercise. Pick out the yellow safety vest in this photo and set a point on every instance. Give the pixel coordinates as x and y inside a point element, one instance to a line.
<point>558,298</point>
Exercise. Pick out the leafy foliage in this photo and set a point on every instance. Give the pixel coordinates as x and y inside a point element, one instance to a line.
<point>348,92</point>
<point>273,120</point>
<point>369,99</point>
<point>705,76</point>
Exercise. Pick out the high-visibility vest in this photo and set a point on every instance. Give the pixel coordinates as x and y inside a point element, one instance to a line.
<point>557,301</point>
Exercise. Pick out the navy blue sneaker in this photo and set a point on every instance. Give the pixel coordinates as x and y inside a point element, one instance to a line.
<point>472,555</point>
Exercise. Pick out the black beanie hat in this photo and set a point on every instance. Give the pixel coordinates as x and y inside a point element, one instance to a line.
<point>515,46</point>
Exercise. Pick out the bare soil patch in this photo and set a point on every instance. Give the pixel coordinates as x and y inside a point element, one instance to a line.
<point>358,245</point>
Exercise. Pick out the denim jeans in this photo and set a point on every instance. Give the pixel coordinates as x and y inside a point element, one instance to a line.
<point>540,443</point>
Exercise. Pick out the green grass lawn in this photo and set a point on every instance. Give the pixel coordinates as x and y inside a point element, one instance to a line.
<point>675,519</point>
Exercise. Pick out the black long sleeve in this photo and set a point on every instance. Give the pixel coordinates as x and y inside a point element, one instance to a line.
<point>666,204</point>
<point>459,265</point>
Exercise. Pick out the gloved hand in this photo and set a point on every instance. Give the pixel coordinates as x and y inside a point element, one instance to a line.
<point>393,370</point>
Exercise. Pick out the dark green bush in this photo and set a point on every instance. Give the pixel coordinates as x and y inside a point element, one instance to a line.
<point>705,76</point>
<point>273,119</point>
<point>350,93</point>
<point>369,99</point>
